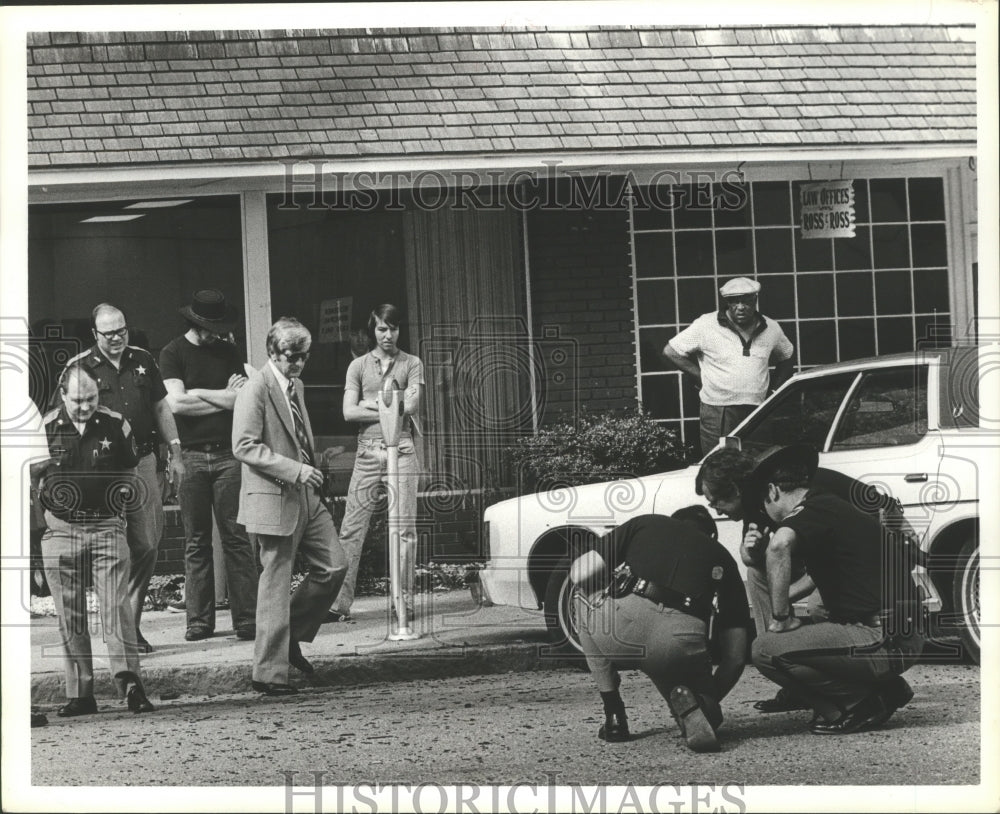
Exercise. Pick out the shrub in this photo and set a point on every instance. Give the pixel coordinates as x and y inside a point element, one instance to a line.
<point>597,447</point>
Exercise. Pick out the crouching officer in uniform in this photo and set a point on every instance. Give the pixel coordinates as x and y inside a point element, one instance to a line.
<point>648,596</point>
<point>844,668</point>
<point>86,487</point>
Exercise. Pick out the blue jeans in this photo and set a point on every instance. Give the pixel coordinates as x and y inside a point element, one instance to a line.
<point>212,482</point>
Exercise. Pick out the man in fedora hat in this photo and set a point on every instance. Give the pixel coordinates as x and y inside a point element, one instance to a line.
<point>203,373</point>
<point>842,667</point>
<point>728,353</point>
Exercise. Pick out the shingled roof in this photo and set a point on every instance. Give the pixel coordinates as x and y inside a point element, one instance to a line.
<point>119,99</point>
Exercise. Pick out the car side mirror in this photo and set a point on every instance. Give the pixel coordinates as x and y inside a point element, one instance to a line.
<point>732,442</point>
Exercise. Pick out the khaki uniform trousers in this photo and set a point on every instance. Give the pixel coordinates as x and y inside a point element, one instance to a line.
<point>66,549</point>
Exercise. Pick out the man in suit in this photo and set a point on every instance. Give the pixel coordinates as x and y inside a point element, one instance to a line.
<point>281,509</point>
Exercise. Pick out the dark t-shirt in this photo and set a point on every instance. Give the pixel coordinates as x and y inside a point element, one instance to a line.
<point>676,556</point>
<point>842,550</point>
<point>864,497</point>
<point>204,366</point>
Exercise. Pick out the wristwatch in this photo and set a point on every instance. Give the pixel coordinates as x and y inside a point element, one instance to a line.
<point>780,617</point>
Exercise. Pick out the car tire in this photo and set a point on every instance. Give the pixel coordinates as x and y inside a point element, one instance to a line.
<point>965,596</point>
<point>560,616</point>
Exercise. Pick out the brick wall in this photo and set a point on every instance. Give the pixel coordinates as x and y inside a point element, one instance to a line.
<point>581,287</point>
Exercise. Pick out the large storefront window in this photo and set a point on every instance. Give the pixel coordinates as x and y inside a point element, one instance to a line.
<point>882,291</point>
<point>145,256</point>
<point>329,269</point>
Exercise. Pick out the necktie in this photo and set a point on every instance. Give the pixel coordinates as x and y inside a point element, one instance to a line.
<point>300,426</point>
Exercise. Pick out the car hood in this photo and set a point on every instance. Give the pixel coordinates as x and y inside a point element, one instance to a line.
<point>600,506</point>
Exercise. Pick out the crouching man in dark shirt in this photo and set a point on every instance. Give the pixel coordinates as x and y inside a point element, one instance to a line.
<point>841,667</point>
<point>647,596</point>
<point>86,487</point>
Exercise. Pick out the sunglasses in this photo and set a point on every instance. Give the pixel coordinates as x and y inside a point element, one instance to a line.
<point>118,333</point>
<point>294,358</point>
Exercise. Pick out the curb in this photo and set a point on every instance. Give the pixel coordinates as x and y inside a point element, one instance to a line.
<point>218,679</point>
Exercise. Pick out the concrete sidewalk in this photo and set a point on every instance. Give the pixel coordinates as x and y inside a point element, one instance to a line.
<point>458,637</point>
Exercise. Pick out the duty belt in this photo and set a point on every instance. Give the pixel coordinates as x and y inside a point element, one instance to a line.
<point>669,598</point>
<point>209,446</point>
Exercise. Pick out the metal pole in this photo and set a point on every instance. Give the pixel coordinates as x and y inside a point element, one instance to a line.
<point>391,420</point>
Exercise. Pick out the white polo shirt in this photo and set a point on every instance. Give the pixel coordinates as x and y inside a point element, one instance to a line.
<point>733,371</point>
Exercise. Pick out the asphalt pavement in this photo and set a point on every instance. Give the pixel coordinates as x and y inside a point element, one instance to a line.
<point>457,637</point>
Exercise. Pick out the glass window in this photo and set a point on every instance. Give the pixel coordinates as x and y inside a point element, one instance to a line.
<point>660,396</point>
<point>148,266</point>
<point>654,254</point>
<point>771,203</point>
<point>774,251</point>
<point>888,200</point>
<point>856,338</point>
<point>694,298</point>
<point>813,254</point>
<point>815,295</point>
<point>817,342</point>
<point>694,209</point>
<point>803,413</point>
<point>655,300</point>
<point>930,290</point>
<point>732,204</point>
<point>853,252</point>
<point>652,208</point>
<point>694,253</point>
<point>930,245</point>
<point>651,344</point>
<point>926,198</point>
<point>892,246</point>
<point>895,334</point>
<point>889,408</point>
<point>855,295</point>
<point>777,297</point>
<point>734,253</point>
<point>892,292</point>
<point>339,264</point>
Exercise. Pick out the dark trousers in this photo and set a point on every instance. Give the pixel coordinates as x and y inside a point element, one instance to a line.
<point>719,421</point>
<point>212,483</point>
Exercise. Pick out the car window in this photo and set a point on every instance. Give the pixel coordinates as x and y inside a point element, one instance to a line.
<point>802,413</point>
<point>888,408</point>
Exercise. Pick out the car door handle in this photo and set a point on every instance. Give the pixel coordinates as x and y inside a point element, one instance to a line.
<point>916,477</point>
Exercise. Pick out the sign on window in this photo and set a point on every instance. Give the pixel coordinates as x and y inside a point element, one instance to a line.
<point>827,209</point>
<point>335,320</point>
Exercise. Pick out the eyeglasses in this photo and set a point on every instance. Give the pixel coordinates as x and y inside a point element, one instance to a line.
<point>118,333</point>
<point>295,357</point>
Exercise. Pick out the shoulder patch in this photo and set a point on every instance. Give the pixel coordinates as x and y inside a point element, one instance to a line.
<point>109,412</point>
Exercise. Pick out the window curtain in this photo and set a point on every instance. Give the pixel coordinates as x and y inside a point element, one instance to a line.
<point>466,293</point>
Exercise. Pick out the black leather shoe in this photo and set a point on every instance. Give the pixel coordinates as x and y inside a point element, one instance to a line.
<point>297,660</point>
<point>614,729</point>
<point>783,701</point>
<point>78,706</point>
<point>196,634</point>
<point>273,689</point>
<point>38,719</point>
<point>141,644</point>
<point>246,634</point>
<point>894,693</point>
<point>695,727</point>
<point>336,616</point>
<point>137,701</point>
<point>866,714</point>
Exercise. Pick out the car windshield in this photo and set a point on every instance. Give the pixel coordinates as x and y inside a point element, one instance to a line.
<point>803,413</point>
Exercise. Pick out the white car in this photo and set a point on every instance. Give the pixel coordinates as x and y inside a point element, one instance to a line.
<point>908,424</point>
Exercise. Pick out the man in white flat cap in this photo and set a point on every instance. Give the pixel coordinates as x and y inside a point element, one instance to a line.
<point>729,353</point>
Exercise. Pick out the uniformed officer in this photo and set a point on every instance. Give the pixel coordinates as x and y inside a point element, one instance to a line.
<point>646,596</point>
<point>129,383</point>
<point>841,667</point>
<point>86,487</point>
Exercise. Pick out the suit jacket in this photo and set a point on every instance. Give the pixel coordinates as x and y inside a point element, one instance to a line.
<point>264,442</point>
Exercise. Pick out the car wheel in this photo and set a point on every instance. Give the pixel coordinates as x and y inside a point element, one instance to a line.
<point>560,611</point>
<point>965,596</point>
